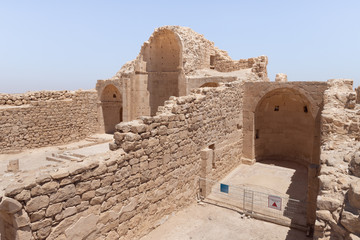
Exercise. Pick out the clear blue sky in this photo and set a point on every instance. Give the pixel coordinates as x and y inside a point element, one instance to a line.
<point>56,45</point>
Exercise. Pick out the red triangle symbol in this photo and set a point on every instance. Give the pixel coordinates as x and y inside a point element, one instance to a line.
<point>274,204</point>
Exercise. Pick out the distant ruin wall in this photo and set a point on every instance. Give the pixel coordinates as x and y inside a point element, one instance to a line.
<point>125,193</point>
<point>258,65</point>
<point>46,118</point>
<point>26,98</point>
<point>196,82</point>
<point>338,202</point>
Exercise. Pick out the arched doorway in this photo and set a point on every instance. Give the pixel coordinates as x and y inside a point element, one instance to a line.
<point>111,104</point>
<point>284,127</point>
<point>163,59</point>
<point>286,135</point>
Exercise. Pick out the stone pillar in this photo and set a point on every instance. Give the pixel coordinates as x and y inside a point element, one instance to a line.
<point>312,192</point>
<point>182,84</point>
<point>206,156</point>
<point>248,154</point>
<point>126,101</point>
<point>140,97</point>
<point>100,117</point>
<point>13,166</point>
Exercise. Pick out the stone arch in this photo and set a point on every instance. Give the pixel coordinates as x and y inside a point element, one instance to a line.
<point>260,125</point>
<point>314,108</point>
<point>163,57</point>
<point>254,93</point>
<point>284,127</point>
<point>111,106</point>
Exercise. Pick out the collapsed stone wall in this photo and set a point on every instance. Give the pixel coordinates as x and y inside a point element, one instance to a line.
<point>357,94</point>
<point>51,118</point>
<point>197,52</point>
<point>338,202</point>
<point>257,65</point>
<point>153,172</point>
<point>169,61</point>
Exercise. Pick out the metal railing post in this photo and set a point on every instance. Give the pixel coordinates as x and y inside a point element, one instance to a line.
<point>244,200</point>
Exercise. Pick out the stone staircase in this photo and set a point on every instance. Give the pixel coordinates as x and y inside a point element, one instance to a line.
<point>65,156</point>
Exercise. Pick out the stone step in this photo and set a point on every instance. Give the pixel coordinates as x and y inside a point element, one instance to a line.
<point>54,159</point>
<point>67,157</point>
<point>91,139</point>
<point>78,155</point>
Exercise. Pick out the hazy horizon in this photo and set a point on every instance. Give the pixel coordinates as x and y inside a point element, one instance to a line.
<point>69,45</point>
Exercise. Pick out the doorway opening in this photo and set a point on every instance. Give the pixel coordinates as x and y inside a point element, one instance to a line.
<point>111,103</point>
<point>284,133</point>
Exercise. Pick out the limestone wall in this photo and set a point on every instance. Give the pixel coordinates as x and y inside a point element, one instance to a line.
<point>311,94</point>
<point>196,82</point>
<point>47,118</point>
<point>172,57</point>
<point>26,98</point>
<point>338,204</point>
<point>257,65</point>
<point>357,94</point>
<point>125,193</point>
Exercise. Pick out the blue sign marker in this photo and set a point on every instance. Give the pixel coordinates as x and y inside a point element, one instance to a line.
<point>224,188</point>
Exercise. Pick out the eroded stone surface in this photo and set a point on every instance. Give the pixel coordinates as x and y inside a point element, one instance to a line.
<point>37,203</point>
<point>354,194</point>
<point>82,228</point>
<point>10,205</point>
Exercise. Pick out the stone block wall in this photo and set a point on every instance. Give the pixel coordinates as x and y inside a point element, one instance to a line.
<point>26,98</point>
<point>196,82</point>
<point>49,119</point>
<point>258,65</point>
<point>153,172</point>
<point>338,205</point>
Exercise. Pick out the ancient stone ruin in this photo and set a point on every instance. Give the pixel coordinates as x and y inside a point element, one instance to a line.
<point>183,109</point>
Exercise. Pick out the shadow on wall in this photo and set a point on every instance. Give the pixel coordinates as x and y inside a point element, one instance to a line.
<point>210,84</point>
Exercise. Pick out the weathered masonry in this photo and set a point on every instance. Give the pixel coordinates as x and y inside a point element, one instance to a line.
<point>183,109</point>
<point>282,122</point>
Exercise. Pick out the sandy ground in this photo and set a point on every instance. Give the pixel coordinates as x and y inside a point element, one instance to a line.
<point>209,222</point>
<point>253,186</point>
<point>34,160</point>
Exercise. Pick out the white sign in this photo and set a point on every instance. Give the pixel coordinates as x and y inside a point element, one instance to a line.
<point>274,202</point>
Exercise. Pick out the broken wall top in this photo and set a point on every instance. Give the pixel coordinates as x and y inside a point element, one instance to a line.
<point>196,53</point>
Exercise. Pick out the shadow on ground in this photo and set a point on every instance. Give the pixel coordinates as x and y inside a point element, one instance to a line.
<point>298,191</point>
